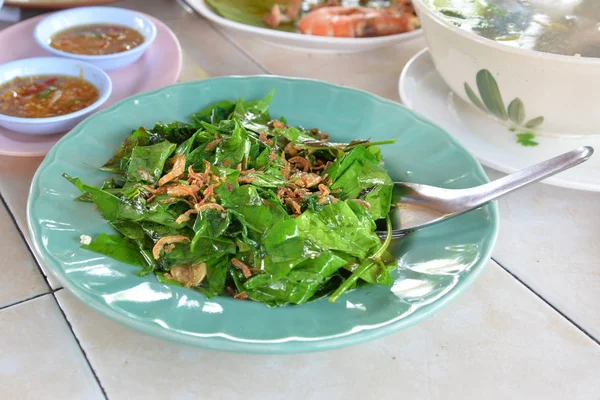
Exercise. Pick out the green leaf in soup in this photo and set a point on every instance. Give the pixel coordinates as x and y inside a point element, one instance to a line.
<point>249,12</point>
<point>147,162</point>
<point>534,123</point>
<point>516,111</point>
<point>117,247</point>
<point>473,97</point>
<point>451,13</point>
<point>139,137</point>
<point>490,94</point>
<point>214,113</point>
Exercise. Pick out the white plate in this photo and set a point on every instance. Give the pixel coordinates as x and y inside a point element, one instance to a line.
<point>423,90</point>
<point>300,41</point>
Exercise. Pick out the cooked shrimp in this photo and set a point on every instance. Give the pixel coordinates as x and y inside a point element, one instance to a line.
<point>185,217</point>
<point>356,22</point>
<point>177,171</point>
<point>275,17</point>
<point>165,241</point>
<point>183,191</point>
<point>241,266</point>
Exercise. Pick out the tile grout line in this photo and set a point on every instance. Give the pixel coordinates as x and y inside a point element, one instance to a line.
<point>53,293</point>
<point>575,324</point>
<point>29,249</point>
<point>24,300</point>
<point>85,356</point>
<point>224,36</point>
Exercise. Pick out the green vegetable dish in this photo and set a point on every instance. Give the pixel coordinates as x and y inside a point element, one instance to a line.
<point>238,204</point>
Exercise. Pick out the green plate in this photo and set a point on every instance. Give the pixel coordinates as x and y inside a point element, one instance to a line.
<point>435,264</point>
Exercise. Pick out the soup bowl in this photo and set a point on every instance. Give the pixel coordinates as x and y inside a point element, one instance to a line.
<point>528,90</point>
<point>60,21</point>
<point>53,66</point>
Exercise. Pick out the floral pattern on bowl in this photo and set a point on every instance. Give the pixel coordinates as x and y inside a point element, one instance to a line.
<point>490,102</point>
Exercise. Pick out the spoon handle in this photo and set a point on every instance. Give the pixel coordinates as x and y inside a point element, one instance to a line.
<point>500,187</point>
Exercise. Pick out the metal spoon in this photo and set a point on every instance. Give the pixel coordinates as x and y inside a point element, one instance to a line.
<point>416,206</point>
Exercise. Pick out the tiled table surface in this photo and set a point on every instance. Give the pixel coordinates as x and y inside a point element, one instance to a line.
<point>529,328</point>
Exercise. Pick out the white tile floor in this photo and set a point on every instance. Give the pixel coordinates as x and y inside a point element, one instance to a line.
<point>549,239</point>
<point>486,339</point>
<point>500,340</point>
<point>20,271</point>
<point>40,357</point>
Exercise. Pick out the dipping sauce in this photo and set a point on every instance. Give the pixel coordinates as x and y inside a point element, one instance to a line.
<point>46,96</point>
<point>567,27</point>
<point>97,39</point>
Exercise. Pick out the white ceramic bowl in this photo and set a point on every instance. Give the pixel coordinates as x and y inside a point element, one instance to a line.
<point>550,94</point>
<point>51,25</point>
<point>53,66</point>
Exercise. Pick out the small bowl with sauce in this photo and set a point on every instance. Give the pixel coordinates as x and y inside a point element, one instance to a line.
<point>47,95</point>
<point>107,37</point>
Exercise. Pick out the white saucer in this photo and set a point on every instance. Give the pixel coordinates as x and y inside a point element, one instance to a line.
<point>423,90</point>
<point>304,42</point>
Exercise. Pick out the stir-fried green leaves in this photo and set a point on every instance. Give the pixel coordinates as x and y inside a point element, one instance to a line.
<point>236,203</point>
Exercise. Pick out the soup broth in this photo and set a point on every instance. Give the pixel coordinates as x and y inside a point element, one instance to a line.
<point>567,27</point>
